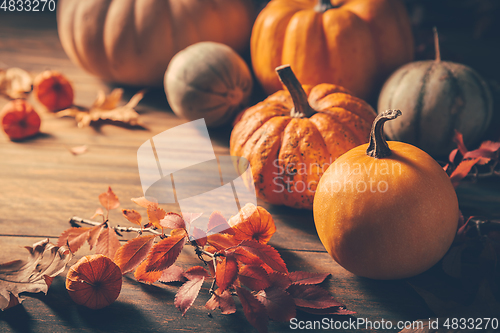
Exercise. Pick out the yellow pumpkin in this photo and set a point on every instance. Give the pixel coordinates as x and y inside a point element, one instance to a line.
<point>351,43</point>
<point>386,210</point>
<point>132,41</point>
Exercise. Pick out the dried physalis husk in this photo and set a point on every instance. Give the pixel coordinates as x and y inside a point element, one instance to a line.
<point>15,83</point>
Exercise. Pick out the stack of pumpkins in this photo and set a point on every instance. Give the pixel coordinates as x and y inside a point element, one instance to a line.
<point>341,51</point>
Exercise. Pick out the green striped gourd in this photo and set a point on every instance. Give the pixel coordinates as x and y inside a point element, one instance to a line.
<point>436,98</point>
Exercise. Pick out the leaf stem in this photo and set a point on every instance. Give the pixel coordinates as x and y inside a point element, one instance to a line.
<point>75,220</point>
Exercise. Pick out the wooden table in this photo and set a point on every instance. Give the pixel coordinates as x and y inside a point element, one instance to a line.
<point>42,185</point>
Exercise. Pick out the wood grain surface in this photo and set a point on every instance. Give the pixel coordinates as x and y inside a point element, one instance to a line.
<point>42,185</point>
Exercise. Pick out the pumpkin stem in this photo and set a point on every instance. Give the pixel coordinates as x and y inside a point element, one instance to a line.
<point>436,44</point>
<point>324,5</point>
<point>301,107</point>
<point>378,147</point>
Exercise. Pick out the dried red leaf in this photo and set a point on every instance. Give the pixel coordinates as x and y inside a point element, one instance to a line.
<point>132,216</point>
<point>266,253</point>
<point>145,203</point>
<point>226,272</point>
<point>109,200</point>
<point>487,151</point>
<point>224,302</point>
<point>94,233</point>
<point>217,223</point>
<point>254,277</point>
<point>187,293</point>
<point>307,277</point>
<point>155,214</point>
<point>165,252</point>
<point>311,296</point>
<point>279,280</point>
<point>222,241</point>
<point>142,275</point>
<point>199,236</point>
<point>133,252</point>
<point>173,221</point>
<point>255,311</point>
<point>279,304</point>
<point>253,223</point>
<point>462,170</point>
<point>108,243</point>
<point>74,238</point>
<point>196,272</point>
<point>459,140</point>
<point>172,274</point>
<point>243,256</point>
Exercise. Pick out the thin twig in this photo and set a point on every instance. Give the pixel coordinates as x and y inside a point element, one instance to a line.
<point>75,220</point>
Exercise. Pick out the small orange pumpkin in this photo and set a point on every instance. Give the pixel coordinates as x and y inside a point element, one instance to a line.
<point>292,137</point>
<point>19,120</point>
<point>53,90</point>
<point>386,210</point>
<point>352,43</point>
<point>95,281</point>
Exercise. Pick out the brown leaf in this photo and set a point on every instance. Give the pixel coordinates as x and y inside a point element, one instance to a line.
<point>155,214</point>
<point>132,216</point>
<point>74,237</point>
<point>172,221</point>
<point>311,296</point>
<point>105,108</point>
<point>307,278</point>
<point>98,212</point>
<point>187,293</point>
<point>165,252</point>
<point>226,272</point>
<point>255,311</point>
<point>108,243</point>
<point>15,83</point>
<point>109,200</point>
<point>143,202</point>
<point>196,272</point>
<point>218,224</point>
<point>243,256</point>
<point>94,234</point>
<point>253,223</point>
<point>45,259</point>
<point>222,241</point>
<point>224,302</point>
<point>78,150</point>
<point>462,170</point>
<point>279,280</point>
<point>131,254</point>
<point>254,277</point>
<point>172,274</point>
<point>279,304</point>
<point>266,253</point>
<point>142,275</point>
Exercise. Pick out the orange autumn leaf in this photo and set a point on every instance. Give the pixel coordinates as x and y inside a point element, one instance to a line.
<point>226,272</point>
<point>253,223</point>
<point>98,212</point>
<point>109,200</point>
<point>218,224</point>
<point>130,255</point>
<point>144,203</point>
<point>94,233</point>
<point>147,277</point>
<point>165,252</point>
<point>108,243</point>
<point>222,241</point>
<point>132,216</point>
<point>155,214</point>
<point>74,238</point>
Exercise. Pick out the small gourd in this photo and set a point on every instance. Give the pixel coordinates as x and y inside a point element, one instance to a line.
<point>436,97</point>
<point>208,80</point>
<point>386,210</point>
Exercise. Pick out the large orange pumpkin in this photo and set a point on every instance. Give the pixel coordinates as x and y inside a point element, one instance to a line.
<point>132,41</point>
<point>292,137</point>
<point>352,43</point>
<point>386,210</point>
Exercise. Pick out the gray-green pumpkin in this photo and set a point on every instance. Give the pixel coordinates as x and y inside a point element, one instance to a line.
<point>208,80</point>
<point>436,98</point>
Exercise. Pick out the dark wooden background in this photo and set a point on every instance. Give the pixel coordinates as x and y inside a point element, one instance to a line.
<point>42,185</point>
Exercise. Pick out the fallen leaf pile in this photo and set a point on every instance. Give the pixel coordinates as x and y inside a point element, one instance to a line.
<point>236,259</point>
<point>45,261</point>
<point>105,108</point>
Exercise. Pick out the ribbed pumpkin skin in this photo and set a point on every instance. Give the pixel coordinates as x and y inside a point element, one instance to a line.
<point>354,45</point>
<point>95,281</point>
<point>436,98</point>
<point>208,80</point>
<point>132,41</point>
<point>288,155</point>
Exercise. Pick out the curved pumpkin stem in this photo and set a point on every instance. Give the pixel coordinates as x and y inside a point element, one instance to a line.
<point>378,147</point>
<point>323,5</point>
<point>301,107</point>
<point>436,44</point>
